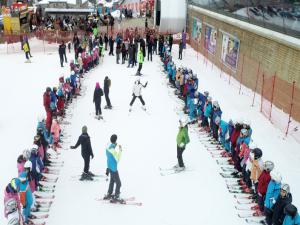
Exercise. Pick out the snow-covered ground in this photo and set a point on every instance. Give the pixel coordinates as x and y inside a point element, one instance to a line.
<point>148,139</point>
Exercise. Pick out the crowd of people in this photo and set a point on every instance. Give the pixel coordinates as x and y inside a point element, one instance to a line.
<point>21,195</point>
<point>233,139</point>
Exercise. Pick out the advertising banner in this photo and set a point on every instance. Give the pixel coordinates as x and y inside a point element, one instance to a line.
<point>210,39</point>
<point>230,51</point>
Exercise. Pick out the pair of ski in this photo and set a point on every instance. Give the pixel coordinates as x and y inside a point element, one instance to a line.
<point>123,201</point>
<point>96,178</point>
<point>171,171</point>
<point>36,219</point>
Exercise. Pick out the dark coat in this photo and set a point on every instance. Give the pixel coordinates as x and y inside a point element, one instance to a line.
<point>106,85</point>
<point>85,142</point>
<point>278,214</point>
<point>97,95</point>
<point>62,49</point>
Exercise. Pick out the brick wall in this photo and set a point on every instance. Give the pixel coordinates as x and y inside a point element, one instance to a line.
<point>270,56</point>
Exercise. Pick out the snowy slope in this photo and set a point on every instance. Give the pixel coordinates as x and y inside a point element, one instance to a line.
<point>198,196</point>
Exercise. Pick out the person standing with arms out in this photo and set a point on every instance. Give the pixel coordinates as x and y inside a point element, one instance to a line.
<point>137,92</point>
<point>62,53</point>
<point>98,93</point>
<point>86,153</point>
<point>180,50</point>
<point>107,83</point>
<point>113,158</point>
<point>140,59</point>
<point>182,140</point>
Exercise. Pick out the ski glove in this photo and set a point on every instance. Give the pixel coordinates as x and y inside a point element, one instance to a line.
<point>107,172</point>
<point>92,155</point>
<point>181,145</point>
<point>72,147</point>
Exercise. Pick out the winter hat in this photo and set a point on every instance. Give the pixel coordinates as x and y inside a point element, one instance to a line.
<point>84,129</point>
<point>97,85</point>
<point>113,138</point>
<point>257,153</point>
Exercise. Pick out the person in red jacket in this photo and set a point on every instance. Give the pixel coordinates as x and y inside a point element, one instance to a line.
<point>47,99</point>
<point>263,182</point>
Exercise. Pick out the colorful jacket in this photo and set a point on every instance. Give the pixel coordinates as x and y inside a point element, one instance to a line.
<point>140,56</point>
<point>183,136</point>
<point>272,194</point>
<point>55,130</point>
<point>263,182</point>
<point>288,220</point>
<point>113,157</point>
<point>208,109</point>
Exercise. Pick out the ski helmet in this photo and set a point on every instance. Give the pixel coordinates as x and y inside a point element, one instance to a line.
<point>72,72</point>
<point>37,137</point>
<point>285,187</point>
<point>27,165</point>
<point>244,132</point>
<point>216,104</point>
<point>276,176</point>
<point>48,89</point>
<point>257,153</point>
<point>26,154</point>
<point>34,148</point>
<point>84,129</point>
<point>11,205</point>
<point>217,120</point>
<point>206,93</point>
<point>209,99</point>
<point>268,165</point>
<point>195,100</point>
<point>183,121</point>
<point>113,138</point>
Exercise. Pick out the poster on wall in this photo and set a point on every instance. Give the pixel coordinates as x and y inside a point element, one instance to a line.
<point>230,51</point>
<point>197,29</point>
<point>210,39</point>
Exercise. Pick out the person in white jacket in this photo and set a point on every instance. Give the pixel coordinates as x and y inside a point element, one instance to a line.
<point>137,93</point>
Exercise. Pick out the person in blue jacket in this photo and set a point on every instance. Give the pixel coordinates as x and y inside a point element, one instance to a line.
<point>53,96</point>
<point>25,193</point>
<point>201,103</point>
<point>73,82</point>
<point>207,113</point>
<point>272,195</point>
<point>37,165</point>
<point>224,135</point>
<point>216,112</point>
<point>291,215</point>
<point>113,158</point>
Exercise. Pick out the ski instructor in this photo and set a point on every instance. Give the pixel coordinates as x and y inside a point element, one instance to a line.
<point>86,153</point>
<point>182,140</point>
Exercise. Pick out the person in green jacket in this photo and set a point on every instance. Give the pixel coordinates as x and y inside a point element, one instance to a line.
<point>182,140</point>
<point>140,59</point>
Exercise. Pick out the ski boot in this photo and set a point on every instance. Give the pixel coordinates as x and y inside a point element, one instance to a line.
<point>117,199</point>
<point>91,174</point>
<point>85,176</point>
<point>180,169</point>
<point>108,197</point>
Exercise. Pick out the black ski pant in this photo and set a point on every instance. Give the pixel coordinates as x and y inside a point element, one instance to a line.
<point>269,214</point>
<point>98,108</point>
<point>179,156</point>
<point>134,97</point>
<point>114,179</point>
<point>139,68</point>
<point>86,163</point>
<point>27,55</point>
<point>180,55</point>
<point>107,99</point>
<point>61,57</point>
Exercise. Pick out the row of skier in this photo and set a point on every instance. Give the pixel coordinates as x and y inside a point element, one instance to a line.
<point>234,138</point>
<point>21,195</point>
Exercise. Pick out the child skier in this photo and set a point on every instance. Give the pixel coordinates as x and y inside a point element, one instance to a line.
<point>137,89</point>
<point>113,158</point>
<point>98,93</point>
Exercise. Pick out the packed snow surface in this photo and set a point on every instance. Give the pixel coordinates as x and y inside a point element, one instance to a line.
<point>198,196</point>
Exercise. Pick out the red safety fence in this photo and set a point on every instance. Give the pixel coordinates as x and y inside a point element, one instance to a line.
<point>279,100</point>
